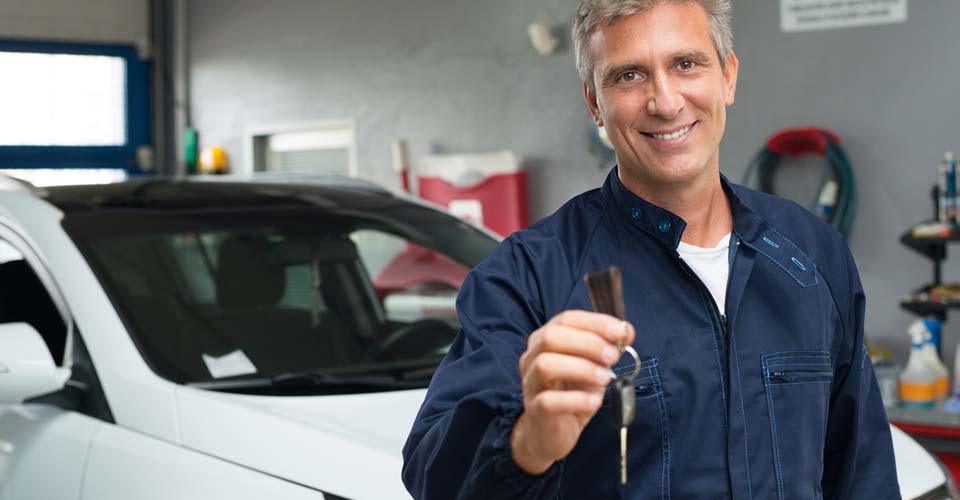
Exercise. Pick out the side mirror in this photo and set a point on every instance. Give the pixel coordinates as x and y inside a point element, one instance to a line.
<point>27,369</point>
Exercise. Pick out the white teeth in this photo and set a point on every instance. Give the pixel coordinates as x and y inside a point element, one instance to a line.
<point>674,136</point>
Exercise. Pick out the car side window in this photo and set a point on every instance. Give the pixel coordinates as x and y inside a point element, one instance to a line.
<point>412,282</point>
<point>24,299</point>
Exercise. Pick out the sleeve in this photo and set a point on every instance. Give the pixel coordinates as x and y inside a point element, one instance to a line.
<point>858,458</point>
<point>459,446</point>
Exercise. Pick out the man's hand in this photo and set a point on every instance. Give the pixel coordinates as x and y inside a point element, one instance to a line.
<point>564,371</point>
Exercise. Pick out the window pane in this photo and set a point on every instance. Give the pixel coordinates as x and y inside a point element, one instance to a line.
<point>316,161</point>
<point>62,100</point>
<point>46,177</point>
<point>289,289</point>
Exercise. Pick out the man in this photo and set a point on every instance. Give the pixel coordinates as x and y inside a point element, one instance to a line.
<point>754,382</point>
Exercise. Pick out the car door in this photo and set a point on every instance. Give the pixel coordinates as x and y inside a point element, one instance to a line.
<point>43,447</point>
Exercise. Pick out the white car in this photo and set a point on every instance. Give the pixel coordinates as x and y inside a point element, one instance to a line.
<point>235,339</point>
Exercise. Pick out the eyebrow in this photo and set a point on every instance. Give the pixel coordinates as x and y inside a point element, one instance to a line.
<point>696,55</point>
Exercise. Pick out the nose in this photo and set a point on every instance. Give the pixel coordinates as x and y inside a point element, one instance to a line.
<point>666,100</point>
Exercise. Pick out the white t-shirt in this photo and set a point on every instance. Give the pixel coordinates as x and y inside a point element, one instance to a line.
<point>712,266</point>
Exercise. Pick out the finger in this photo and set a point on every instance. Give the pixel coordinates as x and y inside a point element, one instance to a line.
<point>608,327</point>
<point>556,402</point>
<point>565,340</point>
<point>552,370</point>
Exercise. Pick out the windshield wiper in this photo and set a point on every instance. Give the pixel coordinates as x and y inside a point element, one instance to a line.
<point>322,379</point>
<point>310,382</point>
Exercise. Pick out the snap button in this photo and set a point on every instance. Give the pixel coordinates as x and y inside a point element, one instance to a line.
<point>636,213</point>
<point>664,226</point>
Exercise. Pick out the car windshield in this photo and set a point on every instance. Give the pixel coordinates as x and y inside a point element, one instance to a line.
<point>349,299</point>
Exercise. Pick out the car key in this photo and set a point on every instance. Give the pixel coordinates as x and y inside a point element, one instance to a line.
<point>606,295</point>
<point>623,406</point>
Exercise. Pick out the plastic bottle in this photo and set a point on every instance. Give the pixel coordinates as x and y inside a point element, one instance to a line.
<point>942,192</point>
<point>950,168</point>
<point>918,382</point>
<point>953,404</point>
<point>932,358</point>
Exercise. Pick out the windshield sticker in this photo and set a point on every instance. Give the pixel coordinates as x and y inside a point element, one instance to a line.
<point>229,365</point>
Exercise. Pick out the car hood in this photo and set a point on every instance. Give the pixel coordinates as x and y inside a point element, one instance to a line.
<point>347,445</point>
<point>917,470</point>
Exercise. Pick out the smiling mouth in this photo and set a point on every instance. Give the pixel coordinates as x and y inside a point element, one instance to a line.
<point>671,136</point>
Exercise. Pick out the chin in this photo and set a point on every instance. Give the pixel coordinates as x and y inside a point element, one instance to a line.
<point>679,174</point>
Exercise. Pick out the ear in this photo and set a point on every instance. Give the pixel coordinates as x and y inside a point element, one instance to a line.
<point>590,97</point>
<point>730,74</point>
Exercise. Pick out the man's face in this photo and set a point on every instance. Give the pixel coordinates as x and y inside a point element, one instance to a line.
<point>661,93</point>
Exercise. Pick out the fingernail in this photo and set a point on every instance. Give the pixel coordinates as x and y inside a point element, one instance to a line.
<point>595,400</point>
<point>604,375</point>
<point>617,331</point>
<point>610,354</point>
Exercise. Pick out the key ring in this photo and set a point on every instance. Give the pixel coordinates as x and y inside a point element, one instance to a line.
<point>636,364</point>
<point>636,358</point>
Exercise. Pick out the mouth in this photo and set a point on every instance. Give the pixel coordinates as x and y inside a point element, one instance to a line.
<point>671,135</point>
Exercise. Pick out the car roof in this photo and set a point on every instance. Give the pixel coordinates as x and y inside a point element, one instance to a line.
<point>157,193</point>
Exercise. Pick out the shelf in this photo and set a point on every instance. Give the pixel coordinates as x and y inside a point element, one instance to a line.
<point>927,308</point>
<point>933,417</point>
<point>932,247</point>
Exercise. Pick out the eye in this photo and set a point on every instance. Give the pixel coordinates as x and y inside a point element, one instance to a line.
<point>629,76</point>
<point>687,64</point>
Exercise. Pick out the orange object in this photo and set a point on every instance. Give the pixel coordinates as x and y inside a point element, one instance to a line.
<point>214,160</point>
<point>918,394</point>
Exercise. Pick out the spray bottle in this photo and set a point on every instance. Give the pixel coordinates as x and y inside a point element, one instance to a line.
<point>918,382</point>
<point>930,331</point>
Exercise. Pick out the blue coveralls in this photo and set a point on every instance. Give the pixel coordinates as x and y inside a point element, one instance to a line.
<point>774,398</point>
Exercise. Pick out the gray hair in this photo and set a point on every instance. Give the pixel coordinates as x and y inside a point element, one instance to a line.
<point>592,13</point>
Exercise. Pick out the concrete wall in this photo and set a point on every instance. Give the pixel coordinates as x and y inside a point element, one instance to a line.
<point>891,93</point>
<point>461,76</point>
<point>447,75</point>
<point>112,21</point>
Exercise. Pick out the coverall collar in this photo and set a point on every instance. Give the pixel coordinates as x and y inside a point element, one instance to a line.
<point>667,226</point>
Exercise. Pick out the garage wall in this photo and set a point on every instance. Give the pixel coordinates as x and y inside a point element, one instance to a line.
<point>112,21</point>
<point>891,92</point>
<point>461,76</point>
<point>447,75</point>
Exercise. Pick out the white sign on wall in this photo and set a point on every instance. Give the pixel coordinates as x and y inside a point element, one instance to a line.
<point>810,15</point>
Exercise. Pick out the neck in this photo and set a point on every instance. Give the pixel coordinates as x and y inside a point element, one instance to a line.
<point>700,202</point>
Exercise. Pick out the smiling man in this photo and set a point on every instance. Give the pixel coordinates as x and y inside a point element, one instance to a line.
<point>754,382</point>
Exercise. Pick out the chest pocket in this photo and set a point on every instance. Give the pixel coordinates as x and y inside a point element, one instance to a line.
<point>797,386</point>
<point>592,470</point>
<point>648,438</point>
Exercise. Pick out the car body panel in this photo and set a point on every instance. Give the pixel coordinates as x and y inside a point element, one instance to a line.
<point>43,451</point>
<point>917,471</point>
<point>319,441</point>
<point>126,464</point>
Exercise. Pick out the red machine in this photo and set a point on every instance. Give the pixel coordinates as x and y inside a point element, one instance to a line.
<point>486,189</point>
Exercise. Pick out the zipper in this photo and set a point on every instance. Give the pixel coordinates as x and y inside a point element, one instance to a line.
<point>801,375</point>
<point>723,341</point>
<point>723,335</point>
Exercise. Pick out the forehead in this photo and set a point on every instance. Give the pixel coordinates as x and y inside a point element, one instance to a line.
<point>664,30</point>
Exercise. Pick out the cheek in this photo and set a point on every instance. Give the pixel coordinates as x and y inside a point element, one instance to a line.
<point>621,106</point>
<point>707,96</point>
